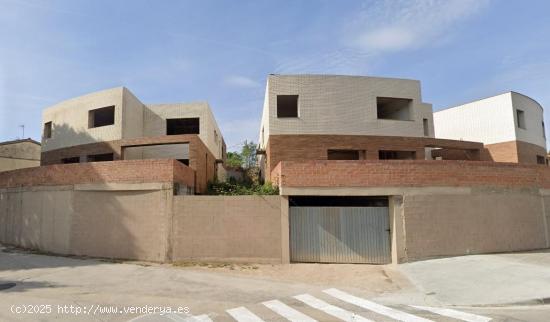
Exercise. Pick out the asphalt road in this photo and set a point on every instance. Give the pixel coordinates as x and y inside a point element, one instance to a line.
<point>67,289</point>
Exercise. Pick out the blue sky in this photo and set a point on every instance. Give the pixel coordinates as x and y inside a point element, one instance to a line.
<point>222,51</point>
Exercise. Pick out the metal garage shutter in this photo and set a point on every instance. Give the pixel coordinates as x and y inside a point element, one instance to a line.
<point>340,235</point>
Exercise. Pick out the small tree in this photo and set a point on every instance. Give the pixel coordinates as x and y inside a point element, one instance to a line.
<point>248,154</point>
<point>234,160</point>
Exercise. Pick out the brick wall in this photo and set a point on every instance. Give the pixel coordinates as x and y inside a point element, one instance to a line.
<point>227,228</point>
<point>314,147</point>
<point>131,171</point>
<point>417,173</point>
<point>527,152</point>
<point>514,151</point>
<point>200,158</point>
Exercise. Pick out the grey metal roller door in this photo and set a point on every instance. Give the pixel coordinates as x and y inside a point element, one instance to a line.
<point>340,235</point>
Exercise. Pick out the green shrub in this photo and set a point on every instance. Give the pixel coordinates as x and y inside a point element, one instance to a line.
<point>234,188</point>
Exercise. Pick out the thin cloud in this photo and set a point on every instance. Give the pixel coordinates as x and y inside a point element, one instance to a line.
<point>241,81</point>
<point>401,25</point>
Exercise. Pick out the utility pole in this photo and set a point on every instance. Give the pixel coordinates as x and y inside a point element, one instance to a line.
<point>22,126</point>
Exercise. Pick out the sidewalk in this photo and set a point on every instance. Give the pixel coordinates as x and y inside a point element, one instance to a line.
<point>483,280</point>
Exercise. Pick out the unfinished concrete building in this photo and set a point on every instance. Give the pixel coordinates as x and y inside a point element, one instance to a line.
<point>114,125</point>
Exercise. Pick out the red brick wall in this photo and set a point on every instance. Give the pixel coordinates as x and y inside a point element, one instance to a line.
<point>200,158</point>
<point>314,147</point>
<point>131,171</point>
<point>514,151</point>
<point>417,173</point>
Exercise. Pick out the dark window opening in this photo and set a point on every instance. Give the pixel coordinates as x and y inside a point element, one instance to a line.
<point>520,119</point>
<point>101,117</point>
<point>183,126</point>
<point>337,201</point>
<point>287,105</point>
<point>70,160</point>
<point>397,155</point>
<point>184,161</point>
<point>345,154</point>
<point>47,130</point>
<point>100,157</point>
<point>389,108</point>
<point>543,130</point>
<point>541,159</point>
<point>426,127</point>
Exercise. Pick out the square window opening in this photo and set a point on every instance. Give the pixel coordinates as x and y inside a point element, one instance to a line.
<point>389,108</point>
<point>183,126</point>
<point>426,126</point>
<point>520,115</point>
<point>541,159</point>
<point>287,106</point>
<point>101,117</point>
<point>70,160</point>
<point>345,154</point>
<point>396,155</point>
<point>100,157</point>
<point>47,130</point>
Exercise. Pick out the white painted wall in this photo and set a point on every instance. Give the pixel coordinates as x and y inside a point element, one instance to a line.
<point>534,117</point>
<point>330,104</point>
<point>491,120</point>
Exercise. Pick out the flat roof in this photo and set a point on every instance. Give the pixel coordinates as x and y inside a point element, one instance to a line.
<point>19,141</point>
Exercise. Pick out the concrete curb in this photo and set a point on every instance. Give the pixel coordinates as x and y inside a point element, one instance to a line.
<point>531,302</point>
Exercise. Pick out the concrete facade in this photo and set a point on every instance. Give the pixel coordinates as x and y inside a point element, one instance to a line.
<point>19,154</point>
<point>342,105</point>
<point>132,119</point>
<point>144,221</point>
<point>454,208</point>
<point>494,122</point>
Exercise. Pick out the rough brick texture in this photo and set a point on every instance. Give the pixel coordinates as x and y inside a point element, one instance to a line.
<point>408,173</point>
<point>131,171</point>
<point>200,158</point>
<point>314,147</point>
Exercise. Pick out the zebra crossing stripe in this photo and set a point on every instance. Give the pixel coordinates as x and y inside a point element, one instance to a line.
<point>330,309</point>
<point>199,318</point>
<point>287,312</point>
<point>463,316</point>
<point>375,307</point>
<point>242,314</point>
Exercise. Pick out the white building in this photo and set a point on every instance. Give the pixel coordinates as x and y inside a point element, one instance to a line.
<point>510,125</point>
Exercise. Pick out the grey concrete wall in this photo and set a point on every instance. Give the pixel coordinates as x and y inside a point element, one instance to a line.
<point>473,221</point>
<point>129,221</point>
<point>121,224</point>
<point>230,228</point>
<point>37,218</point>
<point>8,164</point>
<point>146,222</point>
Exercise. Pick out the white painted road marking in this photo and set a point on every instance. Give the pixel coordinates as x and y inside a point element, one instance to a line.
<point>380,309</point>
<point>242,314</point>
<point>173,317</point>
<point>330,309</point>
<point>287,312</point>
<point>468,317</point>
<point>199,318</point>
